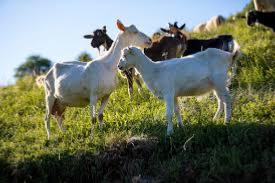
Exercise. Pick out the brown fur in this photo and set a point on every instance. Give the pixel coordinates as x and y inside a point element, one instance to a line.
<point>57,109</point>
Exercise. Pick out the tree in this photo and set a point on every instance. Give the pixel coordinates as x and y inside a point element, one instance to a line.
<point>34,65</point>
<point>84,57</point>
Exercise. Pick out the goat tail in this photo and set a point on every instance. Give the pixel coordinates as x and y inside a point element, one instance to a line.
<point>40,80</point>
<point>236,53</point>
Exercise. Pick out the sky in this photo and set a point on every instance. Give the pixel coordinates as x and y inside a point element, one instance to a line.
<point>54,29</point>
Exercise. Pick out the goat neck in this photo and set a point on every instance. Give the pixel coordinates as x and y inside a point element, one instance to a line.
<point>144,65</point>
<point>113,55</point>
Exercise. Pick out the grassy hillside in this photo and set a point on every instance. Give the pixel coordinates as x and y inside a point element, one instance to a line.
<point>133,146</point>
<point>256,66</point>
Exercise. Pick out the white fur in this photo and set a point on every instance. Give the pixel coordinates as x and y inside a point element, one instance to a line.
<point>210,25</point>
<point>187,76</point>
<point>199,28</point>
<point>78,84</point>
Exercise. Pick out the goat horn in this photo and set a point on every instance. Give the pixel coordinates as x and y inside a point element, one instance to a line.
<point>164,30</point>
<point>182,26</point>
<point>88,36</point>
<point>176,24</point>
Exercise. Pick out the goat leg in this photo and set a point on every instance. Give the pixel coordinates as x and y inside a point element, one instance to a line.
<point>129,77</point>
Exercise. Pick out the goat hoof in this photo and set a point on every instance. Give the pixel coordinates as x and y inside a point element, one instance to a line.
<point>93,120</point>
<point>180,125</point>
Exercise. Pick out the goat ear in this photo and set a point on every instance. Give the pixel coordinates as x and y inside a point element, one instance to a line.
<point>182,27</point>
<point>164,30</point>
<point>104,29</point>
<point>88,36</point>
<point>120,26</point>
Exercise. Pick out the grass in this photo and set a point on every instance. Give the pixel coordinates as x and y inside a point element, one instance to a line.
<point>245,148</point>
<point>133,146</point>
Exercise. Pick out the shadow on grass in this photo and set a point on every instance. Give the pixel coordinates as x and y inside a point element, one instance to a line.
<point>215,153</point>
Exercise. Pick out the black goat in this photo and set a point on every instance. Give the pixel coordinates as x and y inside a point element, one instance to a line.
<point>265,18</point>
<point>99,37</point>
<point>223,42</point>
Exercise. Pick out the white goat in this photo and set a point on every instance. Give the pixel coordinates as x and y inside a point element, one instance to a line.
<point>212,24</point>
<point>200,27</point>
<point>77,84</point>
<point>187,76</point>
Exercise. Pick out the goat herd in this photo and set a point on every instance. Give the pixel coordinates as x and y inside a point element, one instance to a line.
<point>168,75</point>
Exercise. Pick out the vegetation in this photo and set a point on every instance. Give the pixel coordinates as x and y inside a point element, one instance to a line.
<point>133,146</point>
<point>248,7</point>
<point>84,57</point>
<point>34,65</point>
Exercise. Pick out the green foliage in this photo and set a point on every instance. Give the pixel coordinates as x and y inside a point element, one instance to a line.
<point>84,57</point>
<point>34,65</point>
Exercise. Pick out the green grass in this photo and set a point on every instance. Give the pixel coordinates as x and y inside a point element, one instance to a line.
<point>244,148</point>
<point>243,151</point>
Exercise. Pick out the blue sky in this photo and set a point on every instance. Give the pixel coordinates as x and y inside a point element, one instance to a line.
<point>54,28</point>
